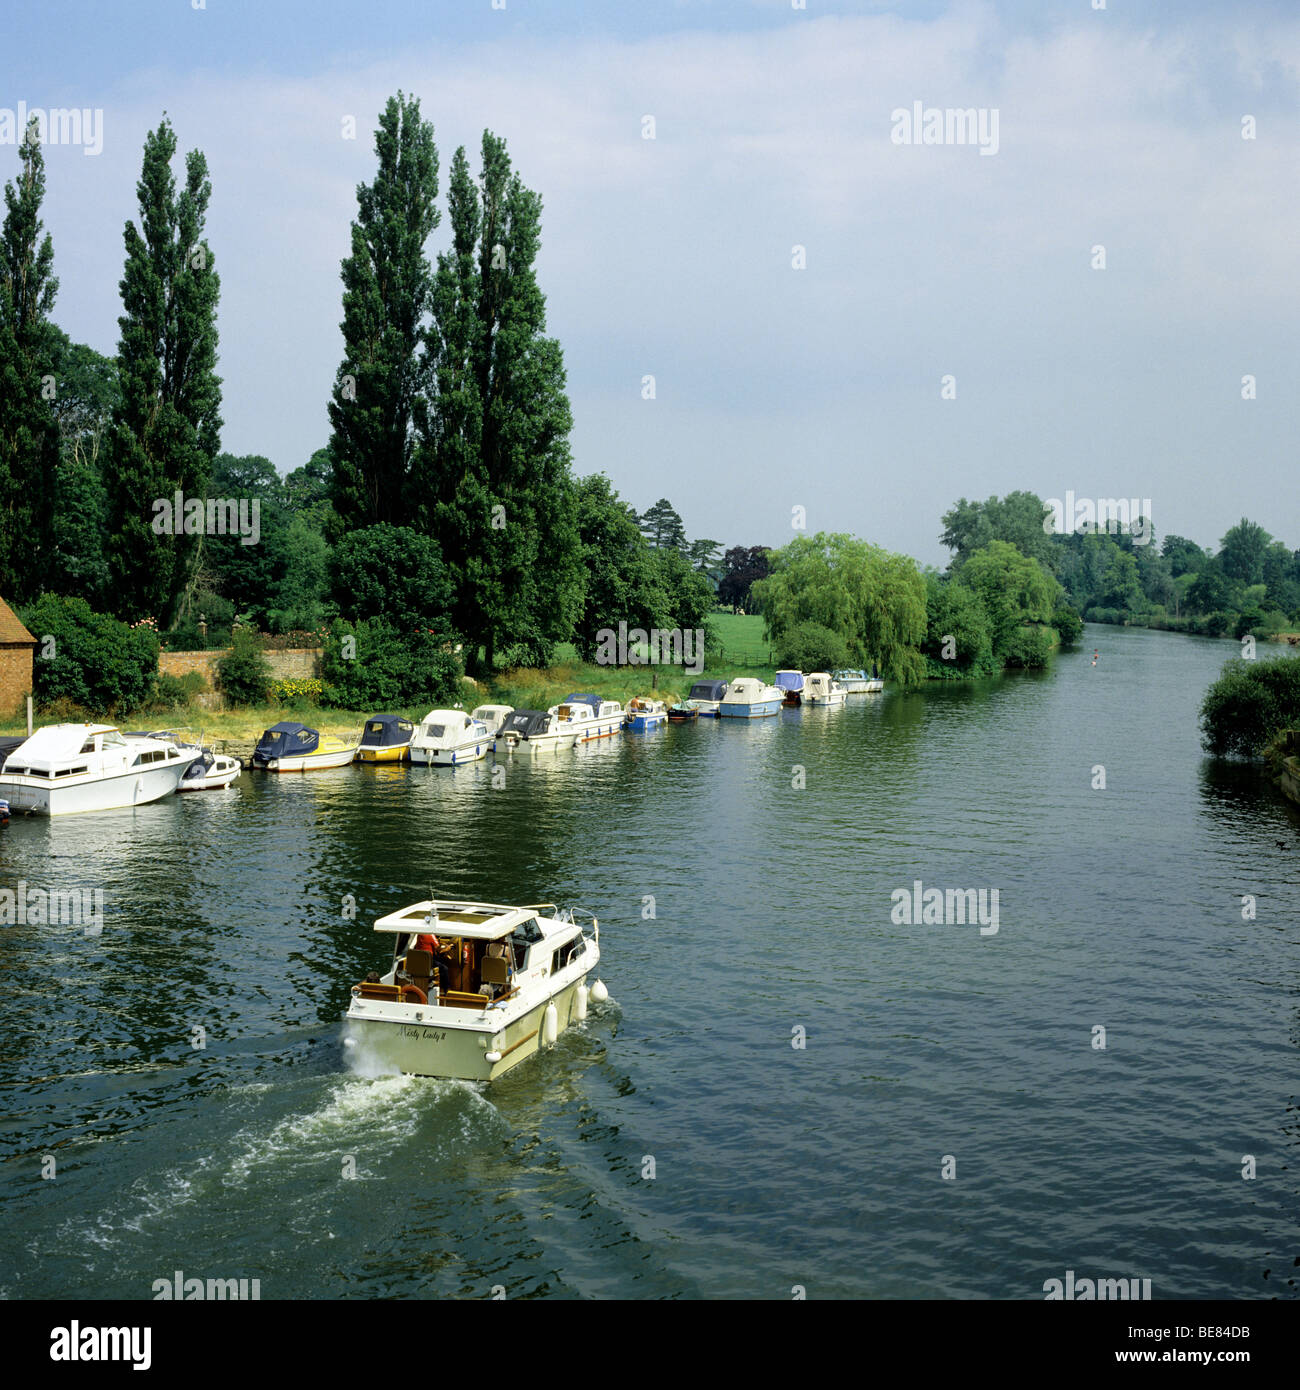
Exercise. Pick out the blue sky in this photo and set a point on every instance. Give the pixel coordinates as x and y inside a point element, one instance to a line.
<point>775,387</point>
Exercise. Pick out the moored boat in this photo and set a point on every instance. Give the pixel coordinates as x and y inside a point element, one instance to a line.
<point>589,717</point>
<point>682,714</point>
<point>473,989</point>
<point>643,714</point>
<point>532,731</point>
<point>210,771</point>
<point>705,697</point>
<point>63,769</point>
<point>859,683</point>
<point>791,684</point>
<point>748,698</point>
<point>450,736</point>
<point>292,747</point>
<point>386,738</point>
<point>821,689</point>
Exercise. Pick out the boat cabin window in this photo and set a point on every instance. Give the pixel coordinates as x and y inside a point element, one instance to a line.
<point>304,735</point>
<point>88,747</point>
<point>155,757</point>
<point>435,730</point>
<point>70,771</point>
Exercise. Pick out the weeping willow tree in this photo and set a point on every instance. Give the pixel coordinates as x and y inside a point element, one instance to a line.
<point>870,597</point>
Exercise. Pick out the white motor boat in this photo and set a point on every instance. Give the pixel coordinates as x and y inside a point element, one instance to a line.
<point>493,716</point>
<point>473,989</point>
<point>589,716</point>
<point>705,697</point>
<point>533,731</point>
<point>292,747</point>
<point>749,698</point>
<point>644,714</point>
<point>449,736</point>
<point>859,683</point>
<point>210,771</point>
<point>821,689</point>
<point>66,768</point>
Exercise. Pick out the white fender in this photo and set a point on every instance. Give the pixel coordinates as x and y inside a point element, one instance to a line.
<point>598,992</point>
<point>550,1025</point>
<point>580,1008</point>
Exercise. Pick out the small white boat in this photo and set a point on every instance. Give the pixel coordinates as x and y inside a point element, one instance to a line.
<point>748,698</point>
<point>589,716</point>
<point>450,736</point>
<point>820,689</point>
<point>705,697</point>
<point>292,747</point>
<point>493,716</point>
<point>66,768</point>
<point>643,714</point>
<point>210,771</point>
<point>473,989</point>
<point>859,683</point>
<point>533,731</point>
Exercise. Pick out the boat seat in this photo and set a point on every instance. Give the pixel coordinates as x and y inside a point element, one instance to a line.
<point>419,968</point>
<point>495,973</point>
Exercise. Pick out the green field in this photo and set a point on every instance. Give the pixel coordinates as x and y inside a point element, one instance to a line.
<point>742,639</point>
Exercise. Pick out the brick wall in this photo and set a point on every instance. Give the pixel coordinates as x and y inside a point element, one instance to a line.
<point>15,676</point>
<point>294,663</point>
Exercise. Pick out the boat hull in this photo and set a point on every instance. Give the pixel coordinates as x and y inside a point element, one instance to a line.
<point>135,787</point>
<point>640,723</point>
<point>757,709</point>
<point>308,762</point>
<point>451,757</point>
<point>442,1045</point>
<point>382,755</point>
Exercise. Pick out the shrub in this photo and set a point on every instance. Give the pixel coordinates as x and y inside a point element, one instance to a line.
<point>1249,704</point>
<point>388,668</point>
<point>96,662</point>
<point>1068,624</point>
<point>298,688</point>
<point>171,691</point>
<point>809,646</point>
<point>244,671</point>
<point>1030,648</point>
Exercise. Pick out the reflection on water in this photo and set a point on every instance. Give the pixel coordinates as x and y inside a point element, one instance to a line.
<point>185,1067</point>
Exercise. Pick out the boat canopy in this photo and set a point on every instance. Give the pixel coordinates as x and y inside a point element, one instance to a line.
<point>56,742</point>
<point>789,680</point>
<point>479,921</point>
<point>387,731</point>
<point>527,723</point>
<point>287,739</point>
<point>850,675</point>
<point>708,690</point>
<point>580,699</point>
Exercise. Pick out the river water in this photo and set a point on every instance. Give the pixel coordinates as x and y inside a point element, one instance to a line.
<point>680,1143</point>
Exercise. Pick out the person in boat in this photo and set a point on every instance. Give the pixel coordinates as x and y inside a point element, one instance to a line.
<point>426,941</point>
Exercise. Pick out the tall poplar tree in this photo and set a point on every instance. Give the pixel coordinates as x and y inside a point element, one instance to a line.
<point>386,286</point>
<point>166,428</point>
<point>493,474</point>
<point>29,352</point>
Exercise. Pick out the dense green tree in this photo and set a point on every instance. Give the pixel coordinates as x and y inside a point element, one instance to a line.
<point>386,287</point>
<point>247,574</point>
<point>1250,703</point>
<point>392,573</point>
<point>1242,551</point>
<point>1183,555</point>
<point>301,598</point>
<point>875,600</point>
<point>1018,518</point>
<point>706,557</point>
<point>661,526</point>
<point>167,424</point>
<point>95,661</point>
<point>373,666</point>
<point>957,637</point>
<point>29,351</point>
<point>743,566</point>
<point>1121,588</point>
<point>1014,590</point>
<point>809,646</point>
<point>86,398</point>
<point>620,583</point>
<point>493,478</point>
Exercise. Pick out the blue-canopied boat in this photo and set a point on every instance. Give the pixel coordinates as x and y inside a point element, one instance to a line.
<point>790,684</point>
<point>859,683</point>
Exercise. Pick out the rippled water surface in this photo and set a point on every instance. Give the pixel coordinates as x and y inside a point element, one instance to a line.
<point>772,1165</point>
